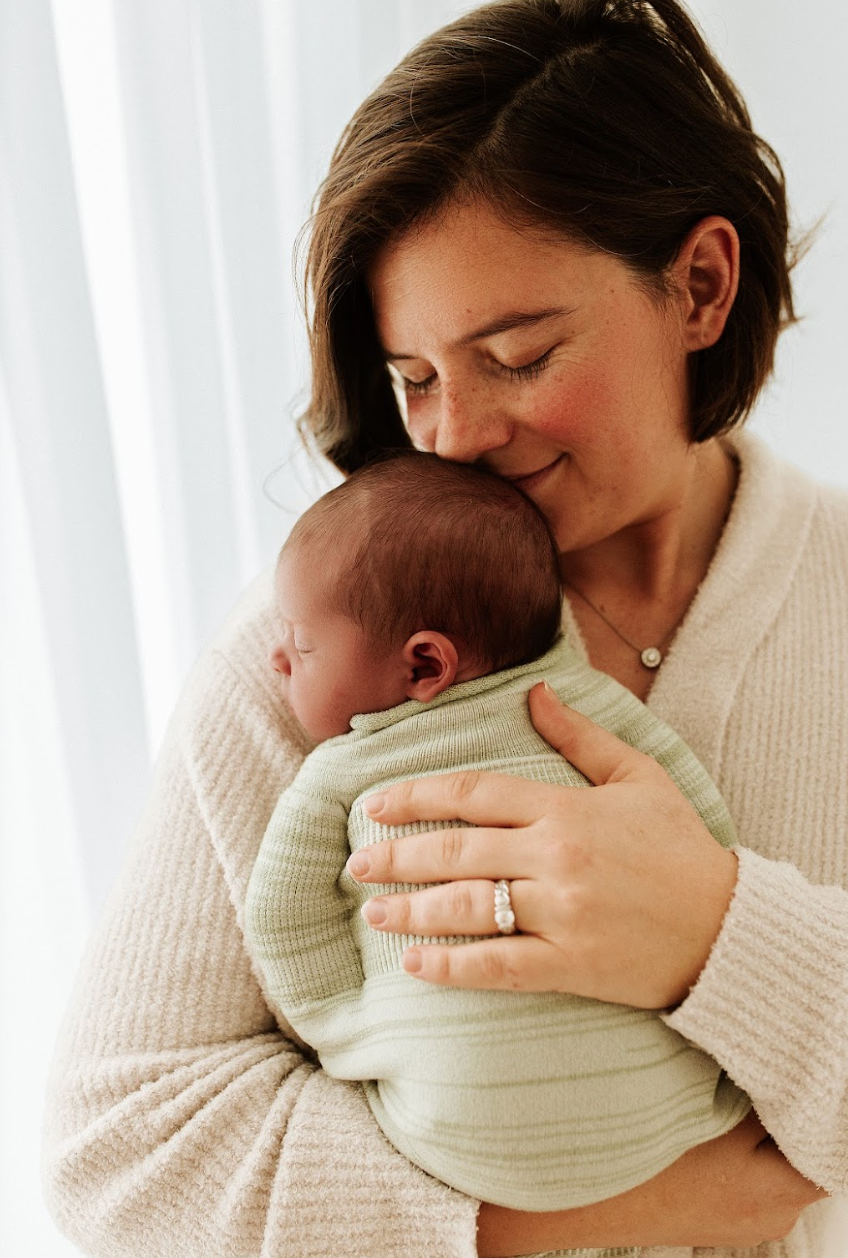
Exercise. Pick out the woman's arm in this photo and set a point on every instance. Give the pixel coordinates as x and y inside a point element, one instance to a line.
<point>771,1005</point>
<point>736,1191</point>
<point>180,1120</point>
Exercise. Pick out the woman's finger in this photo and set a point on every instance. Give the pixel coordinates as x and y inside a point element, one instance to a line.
<point>447,855</point>
<point>453,908</point>
<point>483,799</point>
<point>514,963</point>
<point>598,754</point>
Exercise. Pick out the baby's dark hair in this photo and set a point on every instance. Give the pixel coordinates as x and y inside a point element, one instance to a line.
<point>417,542</point>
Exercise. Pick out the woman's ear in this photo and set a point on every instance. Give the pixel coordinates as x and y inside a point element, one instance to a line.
<point>430,660</point>
<point>706,272</point>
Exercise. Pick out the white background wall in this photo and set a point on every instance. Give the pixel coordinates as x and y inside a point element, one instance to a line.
<point>789,60</point>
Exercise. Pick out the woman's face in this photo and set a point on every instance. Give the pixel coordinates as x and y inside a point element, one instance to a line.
<point>545,361</point>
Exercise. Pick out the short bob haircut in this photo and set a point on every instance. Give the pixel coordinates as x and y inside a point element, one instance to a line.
<point>609,122</point>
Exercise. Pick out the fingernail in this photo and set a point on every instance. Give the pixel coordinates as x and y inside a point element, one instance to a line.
<point>374,803</point>
<point>358,865</point>
<point>374,912</point>
<point>548,690</point>
<point>412,960</point>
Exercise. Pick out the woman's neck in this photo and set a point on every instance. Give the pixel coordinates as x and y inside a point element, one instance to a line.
<point>649,560</point>
<point>642,579</point>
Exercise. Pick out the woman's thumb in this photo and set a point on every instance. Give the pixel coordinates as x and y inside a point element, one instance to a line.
<point>598,754</point>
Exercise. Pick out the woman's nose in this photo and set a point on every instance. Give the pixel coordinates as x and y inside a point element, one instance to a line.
<point>465,427</point>
<point>278,659</point>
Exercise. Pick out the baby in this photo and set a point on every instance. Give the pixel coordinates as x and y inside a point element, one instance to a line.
<point>419,602</point>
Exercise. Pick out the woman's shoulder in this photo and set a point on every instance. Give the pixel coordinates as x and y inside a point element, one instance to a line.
<point>833,507</point>
<point>777,478</point>
<point>827,532</point>
<point>232,688</point>
<point>247,635</point>
<point>783,517</point>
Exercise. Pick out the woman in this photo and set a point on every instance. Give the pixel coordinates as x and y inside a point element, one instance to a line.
<point>554,223</point>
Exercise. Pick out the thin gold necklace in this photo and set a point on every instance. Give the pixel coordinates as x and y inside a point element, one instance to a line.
<point>651,656</point>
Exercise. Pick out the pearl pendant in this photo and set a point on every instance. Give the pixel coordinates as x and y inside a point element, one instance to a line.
<point>651,657</point>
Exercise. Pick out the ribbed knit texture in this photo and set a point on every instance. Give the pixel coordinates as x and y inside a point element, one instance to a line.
<point>183,1123</point>
<point>538,1102</point>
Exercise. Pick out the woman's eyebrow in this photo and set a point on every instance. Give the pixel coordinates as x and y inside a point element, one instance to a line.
<point>504,323</point>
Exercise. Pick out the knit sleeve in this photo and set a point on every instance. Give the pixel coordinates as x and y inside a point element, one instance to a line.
<point>182,1122</point>
<point>771,1006</point>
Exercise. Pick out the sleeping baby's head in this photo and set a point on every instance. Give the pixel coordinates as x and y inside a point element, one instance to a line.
<point>413,574</point>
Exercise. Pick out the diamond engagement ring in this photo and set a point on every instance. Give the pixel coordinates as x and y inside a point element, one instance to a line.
<point>504,916</point>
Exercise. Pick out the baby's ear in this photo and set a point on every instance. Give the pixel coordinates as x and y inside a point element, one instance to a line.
<point>430,660</point>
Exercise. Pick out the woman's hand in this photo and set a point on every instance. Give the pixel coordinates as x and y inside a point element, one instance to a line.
<point>619,892</point>
<point>738,1191</point>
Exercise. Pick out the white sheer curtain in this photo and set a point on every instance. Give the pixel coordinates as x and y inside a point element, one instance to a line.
<point>157,158</point>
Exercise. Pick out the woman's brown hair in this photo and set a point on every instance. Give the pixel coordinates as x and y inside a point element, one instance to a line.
<point>607,121</point>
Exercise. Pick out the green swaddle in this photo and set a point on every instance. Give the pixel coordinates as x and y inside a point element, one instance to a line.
<point>537,1102</point>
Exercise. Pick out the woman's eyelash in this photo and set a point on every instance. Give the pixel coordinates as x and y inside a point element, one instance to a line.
<point>419,386</point>
<point>528,372</point>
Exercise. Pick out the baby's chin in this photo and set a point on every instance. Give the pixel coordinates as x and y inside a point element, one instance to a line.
<point>319,731</point>
<point>321,726</point>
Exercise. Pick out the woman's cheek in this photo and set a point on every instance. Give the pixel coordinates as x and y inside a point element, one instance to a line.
<point>568,413</point>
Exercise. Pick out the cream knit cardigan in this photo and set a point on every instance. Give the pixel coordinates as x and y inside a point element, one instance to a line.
<point>182,1121</point>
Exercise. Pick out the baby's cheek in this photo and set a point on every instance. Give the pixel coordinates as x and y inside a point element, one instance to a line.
<point>332,705</point>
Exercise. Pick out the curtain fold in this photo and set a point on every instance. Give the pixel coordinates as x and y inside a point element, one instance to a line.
<point>54,390</point>
<point>174,229</point>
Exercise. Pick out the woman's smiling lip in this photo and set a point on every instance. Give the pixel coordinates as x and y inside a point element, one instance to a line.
<point>531,479</point>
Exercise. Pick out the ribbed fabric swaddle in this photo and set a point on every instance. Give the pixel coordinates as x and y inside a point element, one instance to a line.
<point>537,1102</point>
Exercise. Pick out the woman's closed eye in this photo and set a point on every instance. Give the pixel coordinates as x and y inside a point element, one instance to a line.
<point>529,371</point>
<point>419,386</point>
<point>525,371</point>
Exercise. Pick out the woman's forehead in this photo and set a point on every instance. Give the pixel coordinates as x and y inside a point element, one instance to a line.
<point>469,235</point>
<point>468,271</point>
